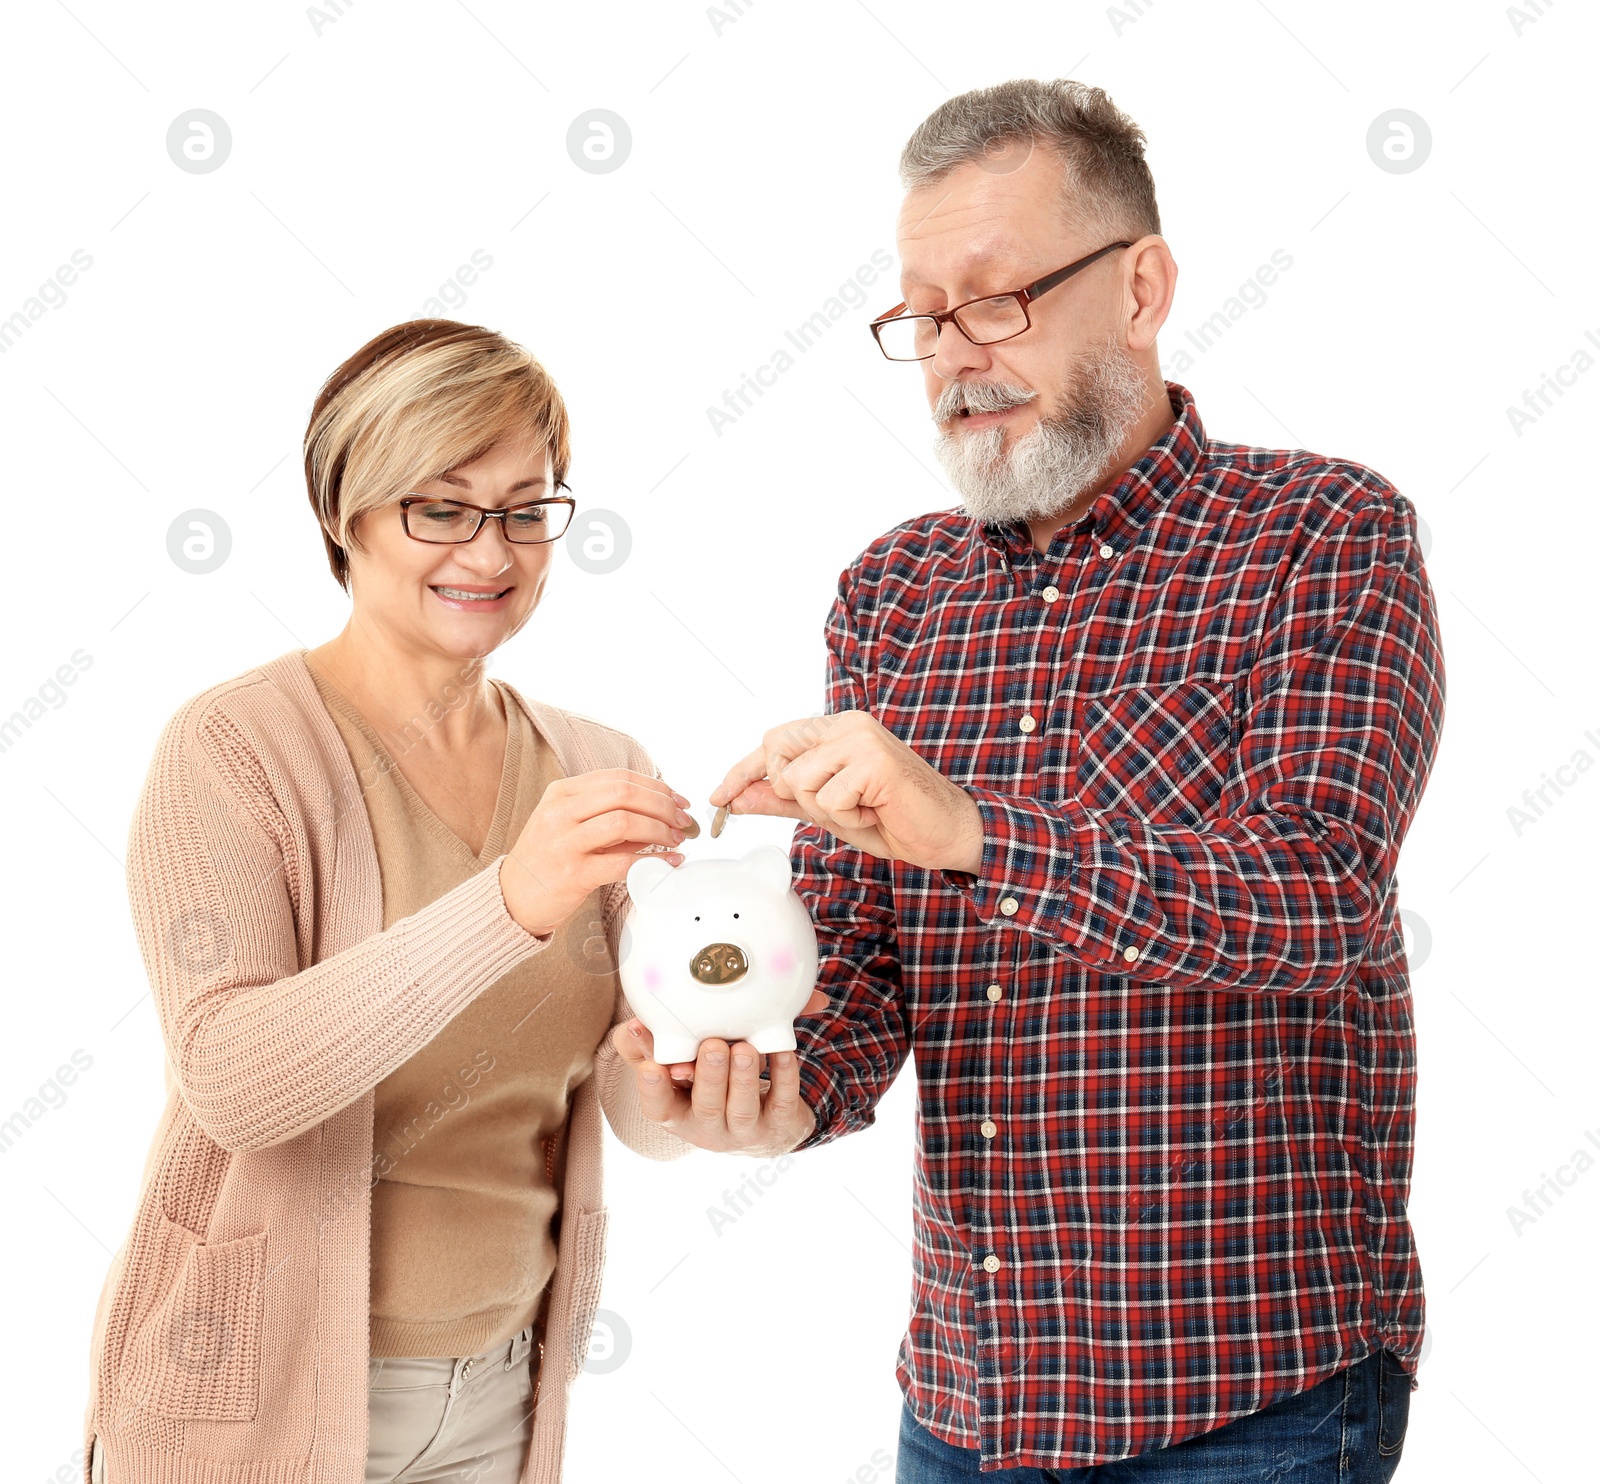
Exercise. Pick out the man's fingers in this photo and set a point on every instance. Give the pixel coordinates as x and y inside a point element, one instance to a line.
<point>731,1105</point>
<point>783,1096</point>
<point>760,797</point>
<point>744,1093</point>
<point>710,1095</point>
<point>748,788</point>
<point>747,770</point>
<point>817,1003</point>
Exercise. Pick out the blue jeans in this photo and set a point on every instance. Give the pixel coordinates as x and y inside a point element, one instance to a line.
<point>1347,1430</point>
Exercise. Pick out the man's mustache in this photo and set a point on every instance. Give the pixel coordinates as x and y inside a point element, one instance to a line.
<point>980,396</point>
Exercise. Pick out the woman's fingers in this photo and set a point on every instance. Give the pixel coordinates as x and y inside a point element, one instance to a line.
<point>620,791</point>
<point>659,1101</point>
<point>633,1041</point>
<point>612,827</point>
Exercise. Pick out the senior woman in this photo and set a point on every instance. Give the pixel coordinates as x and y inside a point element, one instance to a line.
<point>377,893</point>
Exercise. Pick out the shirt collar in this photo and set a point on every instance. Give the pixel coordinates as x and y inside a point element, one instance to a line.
<point>1142,489</point>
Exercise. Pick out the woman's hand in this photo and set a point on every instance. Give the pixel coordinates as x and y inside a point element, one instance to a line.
<point>725,1109</point>
<point>585,832</point>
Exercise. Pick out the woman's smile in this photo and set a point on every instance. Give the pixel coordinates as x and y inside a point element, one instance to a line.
<point>478,599</point>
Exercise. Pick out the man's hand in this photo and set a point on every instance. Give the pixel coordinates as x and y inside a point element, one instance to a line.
<point>852,776</point>
<point>724,1108</point>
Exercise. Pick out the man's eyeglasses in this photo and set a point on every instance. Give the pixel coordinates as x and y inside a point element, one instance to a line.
<point>449,522</point>
<point>915,337</point>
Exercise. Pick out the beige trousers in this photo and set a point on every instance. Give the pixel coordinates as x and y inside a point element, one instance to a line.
<point>451,1420</point>
<point>442,1419</point>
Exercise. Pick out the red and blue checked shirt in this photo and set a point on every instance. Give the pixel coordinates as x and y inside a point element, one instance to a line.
<point>1165,1060</point>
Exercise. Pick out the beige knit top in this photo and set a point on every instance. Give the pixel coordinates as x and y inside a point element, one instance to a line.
<point>230,1339</point>
<point>464,1132</point>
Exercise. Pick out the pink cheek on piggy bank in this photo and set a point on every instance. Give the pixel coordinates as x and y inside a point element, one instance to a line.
<point>782,961</point>
<point>652,978</point>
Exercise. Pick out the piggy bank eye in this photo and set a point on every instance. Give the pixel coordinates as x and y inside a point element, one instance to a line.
<point>735,914</point>
<point>697,917</point>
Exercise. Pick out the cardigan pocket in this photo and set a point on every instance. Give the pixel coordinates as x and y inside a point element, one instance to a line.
<point>198,1352</point>
<point>588,1257</point>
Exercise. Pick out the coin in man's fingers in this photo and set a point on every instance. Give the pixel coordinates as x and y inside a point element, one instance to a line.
<point>719,819</point>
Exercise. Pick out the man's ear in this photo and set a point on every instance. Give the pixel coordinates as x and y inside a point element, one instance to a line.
<point>645,875</point>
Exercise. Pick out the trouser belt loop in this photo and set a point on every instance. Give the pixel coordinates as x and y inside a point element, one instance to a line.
<point>521,1347</point>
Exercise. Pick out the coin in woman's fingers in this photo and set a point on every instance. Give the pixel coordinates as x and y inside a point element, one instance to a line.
<point>719,819</point>
<point>691,831</point>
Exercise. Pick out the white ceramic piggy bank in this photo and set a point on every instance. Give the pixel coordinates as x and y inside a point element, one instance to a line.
<point>716,948</point>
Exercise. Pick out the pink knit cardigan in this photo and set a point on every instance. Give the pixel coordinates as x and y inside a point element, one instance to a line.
<point>230,1338</point>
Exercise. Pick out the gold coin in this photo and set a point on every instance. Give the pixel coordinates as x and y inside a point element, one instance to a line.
<point>719,819</point>
<point>691,830</point>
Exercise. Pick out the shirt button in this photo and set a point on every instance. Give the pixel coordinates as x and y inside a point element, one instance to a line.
<point>1130,953</point>
<point>991,1263</point>
<point>994,991</point>
<point>1008,905</point>
<point>987,1128</point>
<point>1050,594</point>
<point>1027,724</point>
<point>1107,552</point>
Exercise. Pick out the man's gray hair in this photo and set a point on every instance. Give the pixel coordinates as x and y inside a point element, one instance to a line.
<point>1106,185</point>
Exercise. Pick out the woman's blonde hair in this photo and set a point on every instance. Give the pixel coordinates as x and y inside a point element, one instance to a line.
<point>413,403</point>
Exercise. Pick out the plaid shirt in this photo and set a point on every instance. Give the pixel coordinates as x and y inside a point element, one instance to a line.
<point>1164,1045</point>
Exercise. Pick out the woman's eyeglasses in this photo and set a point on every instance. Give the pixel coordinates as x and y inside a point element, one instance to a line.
<point>450,522</point>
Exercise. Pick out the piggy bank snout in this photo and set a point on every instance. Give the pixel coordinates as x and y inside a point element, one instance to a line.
<point>719,964</point>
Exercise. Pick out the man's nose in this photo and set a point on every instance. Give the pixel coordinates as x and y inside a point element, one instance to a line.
<point>954,353</point>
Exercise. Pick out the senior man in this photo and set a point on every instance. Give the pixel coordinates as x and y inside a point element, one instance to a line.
<point>1101,825</point>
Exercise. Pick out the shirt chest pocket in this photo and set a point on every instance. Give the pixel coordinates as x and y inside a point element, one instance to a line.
<point>1159,752</point>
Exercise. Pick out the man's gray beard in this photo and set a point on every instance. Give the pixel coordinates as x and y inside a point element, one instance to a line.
<point>1063,456</point>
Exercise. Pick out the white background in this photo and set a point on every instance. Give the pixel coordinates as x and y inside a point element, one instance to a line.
<point>374,151</point>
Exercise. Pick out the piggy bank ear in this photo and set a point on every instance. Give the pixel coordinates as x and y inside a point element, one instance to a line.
<point>644,876</point>
<point>769,865</point>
